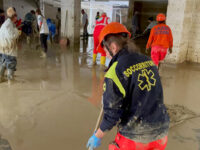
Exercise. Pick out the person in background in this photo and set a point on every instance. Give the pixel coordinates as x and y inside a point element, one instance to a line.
<point>133,96</point>
<point>58,21</point>
<point>152,23</point>
<point>97,16</point>
<point>44,32</point>
<point>8,45</point>
<point>2,17</point>
<point>84,24</point>
<point>52,30</point>
<point>135,23</point>
<point>100,24</point>
<point>160,40</point>
<point>34,26</point>
<point>29,17</point>
<point>28,24</point>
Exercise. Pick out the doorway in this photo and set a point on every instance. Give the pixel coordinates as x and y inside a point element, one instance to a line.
<point>146,10</point>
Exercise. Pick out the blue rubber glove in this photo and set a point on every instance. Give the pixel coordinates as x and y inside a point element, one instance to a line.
<point>93,142</point>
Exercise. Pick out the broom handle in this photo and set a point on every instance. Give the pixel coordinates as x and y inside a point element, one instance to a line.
<point>99,119</point>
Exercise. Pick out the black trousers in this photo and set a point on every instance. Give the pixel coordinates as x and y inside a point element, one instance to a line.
<point>43,40</point>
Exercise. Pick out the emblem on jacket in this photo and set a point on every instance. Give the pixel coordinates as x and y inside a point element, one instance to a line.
<point>146,80</point>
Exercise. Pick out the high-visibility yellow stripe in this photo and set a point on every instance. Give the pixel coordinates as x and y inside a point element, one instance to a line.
<point>111,74</point>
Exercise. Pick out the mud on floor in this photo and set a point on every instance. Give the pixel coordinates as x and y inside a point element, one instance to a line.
<point>179,114</point>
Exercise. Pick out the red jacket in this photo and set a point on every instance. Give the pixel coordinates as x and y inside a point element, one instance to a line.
<point>102,21</point>
<point>161,35</point>
<point>18,23</point>
<point>100,24</point>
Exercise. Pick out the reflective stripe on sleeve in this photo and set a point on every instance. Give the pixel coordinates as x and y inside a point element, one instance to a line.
<point>111,74</point>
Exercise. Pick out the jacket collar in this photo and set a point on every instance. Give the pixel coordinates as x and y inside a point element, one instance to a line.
<point>116,57</point>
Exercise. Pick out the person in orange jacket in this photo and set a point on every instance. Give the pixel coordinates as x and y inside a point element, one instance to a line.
<point>160,40</point>
<point>100,24</point>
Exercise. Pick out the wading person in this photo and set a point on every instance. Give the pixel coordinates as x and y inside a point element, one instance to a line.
<point>28,22</point>
<point>58,21</point>
<point>152,23</point>
<point>160,40</point>
<point>97,16</point>
<point>8,45</point>
<point>135,23</point>
<point>44,32</point>
<point>100,24</point>
<point>84,24</point>
<point>133,96</point>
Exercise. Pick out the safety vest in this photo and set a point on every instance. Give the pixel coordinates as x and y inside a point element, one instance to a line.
<point>102,21</point>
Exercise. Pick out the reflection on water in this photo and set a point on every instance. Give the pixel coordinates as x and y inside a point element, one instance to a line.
<point>97,86</point>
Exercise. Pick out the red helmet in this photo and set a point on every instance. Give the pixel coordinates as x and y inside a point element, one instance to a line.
<point>160,17</point>
<point>112,28</point>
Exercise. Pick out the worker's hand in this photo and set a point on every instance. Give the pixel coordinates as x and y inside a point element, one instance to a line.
<point>170,50</point>
<point>20,32</point>
<point>93,142</point>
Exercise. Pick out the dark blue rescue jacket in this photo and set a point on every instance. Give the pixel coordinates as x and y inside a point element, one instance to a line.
<point>133,98</point>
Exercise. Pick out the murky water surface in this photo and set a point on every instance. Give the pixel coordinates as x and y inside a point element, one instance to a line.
<point>54,102</point>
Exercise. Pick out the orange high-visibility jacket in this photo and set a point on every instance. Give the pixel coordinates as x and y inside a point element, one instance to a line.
<point>161,35</point>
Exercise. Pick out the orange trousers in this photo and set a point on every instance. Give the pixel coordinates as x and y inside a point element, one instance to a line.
<point>158,54</point>
<point>123,143</point>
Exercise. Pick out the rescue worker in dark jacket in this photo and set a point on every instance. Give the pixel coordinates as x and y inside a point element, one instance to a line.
<point>133,96</point>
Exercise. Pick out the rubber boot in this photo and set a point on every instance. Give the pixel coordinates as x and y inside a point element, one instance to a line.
<point>28,40</point>
<point>103,60</point>
<point>43,54</point>
<point>10,75</point>
<point>94,59</point>
<point>2,72</point>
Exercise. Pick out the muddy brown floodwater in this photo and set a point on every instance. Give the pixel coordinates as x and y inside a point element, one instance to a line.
<point>54,103</point>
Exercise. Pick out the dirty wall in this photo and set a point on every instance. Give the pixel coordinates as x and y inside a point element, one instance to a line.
<point>184,20</point>
<point>22,6</point>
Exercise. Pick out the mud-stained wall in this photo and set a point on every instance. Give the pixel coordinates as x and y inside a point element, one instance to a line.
<point>175,19</point>
<point>22,6</point>
<point>184,19</point>
<point>193,53</point>
<point>50,14</point>
<point>70,19</point>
